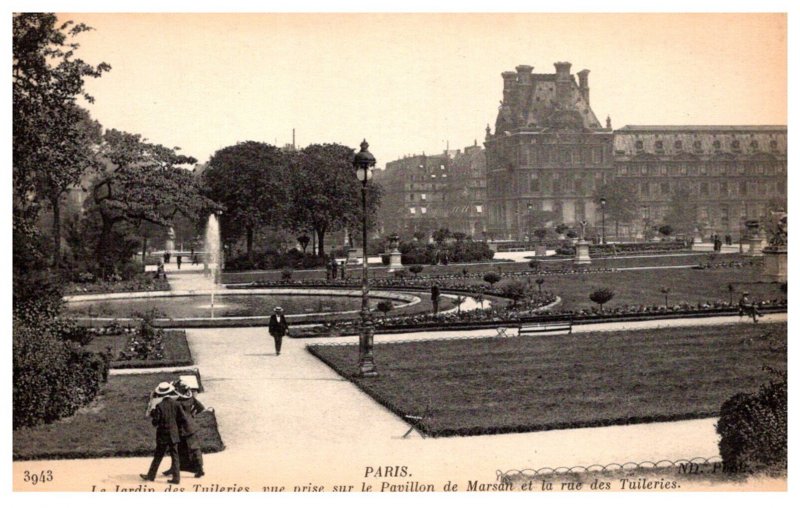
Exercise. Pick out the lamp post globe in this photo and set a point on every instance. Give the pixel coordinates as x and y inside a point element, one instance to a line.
<point>363,162</point>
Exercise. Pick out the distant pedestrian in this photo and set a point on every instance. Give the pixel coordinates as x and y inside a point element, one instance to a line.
<point>435,295</point>
<point>166,258</point>
<point>746,307</point>
<point>728,239</point>
<point>194,258</point>
<point>278,327</point>
<point>178,261</point>
<point>343,274</point>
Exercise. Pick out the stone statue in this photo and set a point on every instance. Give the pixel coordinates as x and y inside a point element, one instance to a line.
<point>583,229</point>
<point>778,231</point>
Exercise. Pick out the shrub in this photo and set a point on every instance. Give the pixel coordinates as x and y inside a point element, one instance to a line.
<point>491,278</point>
<point>601,296</point>
<point>52,378</point>
<point>385,306</point>
<point>416,269</point>
<point>753,429</point>
<point>514,289</point>
<point>286,274</point>
<point>665,230</point>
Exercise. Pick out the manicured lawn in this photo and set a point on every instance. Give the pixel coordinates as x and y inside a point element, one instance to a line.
<point>486,386</point>
<point>176,351</point>
<point>113,425</point>
<point>643,287</point>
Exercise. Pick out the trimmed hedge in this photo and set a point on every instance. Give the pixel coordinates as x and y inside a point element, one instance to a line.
<point>293,259</point>
<point>753,430</point>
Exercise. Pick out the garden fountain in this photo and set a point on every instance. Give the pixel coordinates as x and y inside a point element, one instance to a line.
<point>213,256</point>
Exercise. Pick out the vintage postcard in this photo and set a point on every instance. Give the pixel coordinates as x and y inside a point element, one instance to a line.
<point>399,252</point>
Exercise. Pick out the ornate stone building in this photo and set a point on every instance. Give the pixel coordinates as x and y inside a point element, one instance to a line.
<point>728,173</point>
<point>548,152</point>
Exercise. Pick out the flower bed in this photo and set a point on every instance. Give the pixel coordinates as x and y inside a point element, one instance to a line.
<point>128,348</point>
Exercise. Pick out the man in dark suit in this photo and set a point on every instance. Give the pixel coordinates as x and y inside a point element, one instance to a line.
<point>167,417</point>
<point>278,327</point>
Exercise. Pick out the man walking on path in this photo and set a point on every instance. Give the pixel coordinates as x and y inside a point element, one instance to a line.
<point>435,299</point>
<point>278,327</point>
<point>166,417</point>
<point>178,261</point>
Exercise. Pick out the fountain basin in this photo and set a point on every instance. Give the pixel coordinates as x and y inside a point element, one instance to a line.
<point>248,304</point>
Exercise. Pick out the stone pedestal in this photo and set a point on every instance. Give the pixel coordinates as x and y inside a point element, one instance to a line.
<point>754,246</point>
<point>582,253</point>
<point>541,250</point>
<point>395,261</point>
<point>775,263</point>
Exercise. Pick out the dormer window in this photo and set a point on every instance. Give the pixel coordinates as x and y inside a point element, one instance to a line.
<point>773,145</point>
<point>679,145</point>
<point>717,145</point>
<point>659,146</point>
<point>736,146</point>
<point>639,145</point>
<point>754,145</point>
<point>698,147</point>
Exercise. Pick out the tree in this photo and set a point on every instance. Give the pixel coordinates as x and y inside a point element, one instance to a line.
<point>326,195</point>
<point>601,296</point>
<point>539,283</point>
<point>665,291</point>
<point>50,135</point>
<point>491,278</point>
<point>303,241</point>
<point>76,156</point>
<point>514,289</point>
<point>665,230</point>
<point>458,301</point>
<point>47,79</point>
<point>250,179</point>
<point>140,182</point>
<point>385,306</point>
<point>622,202</point>
<point>540,233</point>
<point>682,212</point>
<point>415,269</point>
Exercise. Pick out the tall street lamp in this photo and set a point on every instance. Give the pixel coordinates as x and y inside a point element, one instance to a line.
<point>530,225</point>
<point>603,212</point>
<point>364,162</point>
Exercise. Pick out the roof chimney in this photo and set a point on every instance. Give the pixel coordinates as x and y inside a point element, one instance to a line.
<point>562,82</point>
<point>583,83</point>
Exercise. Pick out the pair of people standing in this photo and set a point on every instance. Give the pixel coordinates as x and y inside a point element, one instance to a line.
<point>172,409</point>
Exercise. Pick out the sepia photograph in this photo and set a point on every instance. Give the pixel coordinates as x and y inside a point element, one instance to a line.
<point>398,252</point>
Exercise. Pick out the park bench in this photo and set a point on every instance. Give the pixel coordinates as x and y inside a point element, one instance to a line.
<point>542,327</point>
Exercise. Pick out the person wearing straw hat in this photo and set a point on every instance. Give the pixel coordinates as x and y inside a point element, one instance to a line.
<point>189,449</point>
<point>278,327</point>
<point>166,416</point>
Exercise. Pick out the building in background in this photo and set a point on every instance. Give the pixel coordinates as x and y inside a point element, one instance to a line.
<point>727,174</point>
<point>550,160</point>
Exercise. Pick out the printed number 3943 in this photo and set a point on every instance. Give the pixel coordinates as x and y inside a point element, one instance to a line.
<point>41,476</point>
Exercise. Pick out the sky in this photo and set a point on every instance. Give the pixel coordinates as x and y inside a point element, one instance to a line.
<point>412,83</point>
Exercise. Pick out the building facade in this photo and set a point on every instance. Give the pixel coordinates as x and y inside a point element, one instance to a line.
<point>548,153</point>
<point>423,193</point>
<point>550,160</point>
<point>728,174</point>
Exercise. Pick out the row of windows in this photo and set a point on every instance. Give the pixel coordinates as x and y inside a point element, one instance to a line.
<point>697,146</point>
<point>725,189</point>
<point>702,168</point>
<point>535,155</point>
